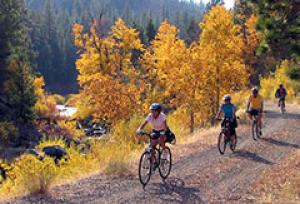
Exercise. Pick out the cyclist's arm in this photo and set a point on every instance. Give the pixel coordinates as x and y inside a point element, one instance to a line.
<point>142,126</point>
<point>166,125</point>
<point>248,105</point>
<point>219,113</point>
<point>234,111</point>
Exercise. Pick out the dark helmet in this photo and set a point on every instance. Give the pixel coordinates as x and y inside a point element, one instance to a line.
<point>155,106</point>
<point>255,90</point>
<point>280,85</point>
<point>227,97</point>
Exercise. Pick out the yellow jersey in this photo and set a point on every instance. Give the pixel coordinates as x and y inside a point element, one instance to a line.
<point>256,102</point>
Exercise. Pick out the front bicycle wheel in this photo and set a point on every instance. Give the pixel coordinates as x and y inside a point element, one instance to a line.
<point>145,168</point>
<point>165,164</point>
<point>222,143</point>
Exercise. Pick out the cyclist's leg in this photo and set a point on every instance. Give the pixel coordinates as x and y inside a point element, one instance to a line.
<point>154,143</point>
<point>259,117</point>
<point>162,141</point>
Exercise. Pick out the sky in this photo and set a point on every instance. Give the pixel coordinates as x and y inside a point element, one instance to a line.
<point>228,3</point>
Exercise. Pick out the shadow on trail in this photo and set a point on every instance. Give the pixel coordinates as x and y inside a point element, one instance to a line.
<point>274,114</point>
<point>252,156</point>
<point>280,143</point>
<point>173,190</point>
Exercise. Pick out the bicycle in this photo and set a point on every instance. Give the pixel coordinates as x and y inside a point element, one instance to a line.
<point>282,105</point>
<point>225,136</point>
<point>147,166</point>
<point>255,128</point>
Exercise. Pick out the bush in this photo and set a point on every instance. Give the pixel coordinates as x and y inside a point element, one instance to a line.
<point>7,130</point>
<point>179,123</point>
<point>125,131</point>
<point>33,175</point>
<point>270,84</point>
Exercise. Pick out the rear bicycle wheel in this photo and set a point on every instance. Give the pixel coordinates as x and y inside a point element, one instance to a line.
<point>233,142</point>
<point>222,143</point>
<point>165,164</point>
<point>145,168</point>
<point>254,130</point>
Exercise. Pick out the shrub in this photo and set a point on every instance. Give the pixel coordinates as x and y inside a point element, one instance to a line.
<point>281,75</point>
<point>7,130</point>
<point>125,131</point>
<point>33,175</point>
<point>178,122</point>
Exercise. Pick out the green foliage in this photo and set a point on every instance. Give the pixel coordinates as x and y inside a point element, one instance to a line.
<point>16,83</point>
<point>7,130</point>
<point>279,21</point>
<point>52,22</point>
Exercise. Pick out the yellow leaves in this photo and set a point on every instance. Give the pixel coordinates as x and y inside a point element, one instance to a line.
<point>253,39</point>
<point>222,47</point>
<point>45,105</point>
<point>107,74</point>
<point>77,30</point>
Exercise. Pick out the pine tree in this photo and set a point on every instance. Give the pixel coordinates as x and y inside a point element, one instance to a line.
<point>279,21</point>
<point>17,91</point>
<point>150,31</point>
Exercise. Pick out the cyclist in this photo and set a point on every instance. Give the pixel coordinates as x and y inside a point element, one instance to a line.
<point>229,110</point>
<point>159,124</point>
<point>255,106</point>
<point>281,94</point>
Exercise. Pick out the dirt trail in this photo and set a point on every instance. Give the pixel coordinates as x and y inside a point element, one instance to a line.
<point>202,177</point>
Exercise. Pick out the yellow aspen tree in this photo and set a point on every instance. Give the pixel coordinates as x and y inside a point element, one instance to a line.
<point>107,74</point>
<point>176,70</point>
<point>222,47</point>
<point>252,42</point>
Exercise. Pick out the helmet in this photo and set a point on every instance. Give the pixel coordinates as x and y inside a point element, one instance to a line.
<point>255,90</point>
<point>227,97</point>
<point>155,106</point>
<point>280,85</point>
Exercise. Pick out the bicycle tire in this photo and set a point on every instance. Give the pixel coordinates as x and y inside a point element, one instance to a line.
<point>146,155</point>
<point>233,146</point>
<point>222,145</point>
<point>164,175</point>
<point>254,130</point>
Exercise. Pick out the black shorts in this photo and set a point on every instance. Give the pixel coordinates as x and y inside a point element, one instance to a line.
<point>156,134</point>
<point>254,112</point>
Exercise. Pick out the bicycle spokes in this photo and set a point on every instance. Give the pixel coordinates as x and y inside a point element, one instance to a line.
<point>145,168</point>
<point>165,163</point>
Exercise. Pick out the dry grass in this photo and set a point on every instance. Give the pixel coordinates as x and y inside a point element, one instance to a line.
<point>281,184</point>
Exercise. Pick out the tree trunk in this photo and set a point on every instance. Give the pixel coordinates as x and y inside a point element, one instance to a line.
<point>192,121</point>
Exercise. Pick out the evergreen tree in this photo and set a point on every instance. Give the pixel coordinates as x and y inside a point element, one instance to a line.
<point>150,31</point>
<point>193,31</point>
<point>16,91</point>
<point>279,21</point>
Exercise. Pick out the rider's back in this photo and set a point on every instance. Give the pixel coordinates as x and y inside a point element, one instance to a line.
<point>255,102</point>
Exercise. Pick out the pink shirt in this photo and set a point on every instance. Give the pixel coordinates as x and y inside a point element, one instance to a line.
<point>157,123</point>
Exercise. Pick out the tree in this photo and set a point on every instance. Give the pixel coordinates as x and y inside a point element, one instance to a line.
<point>176,71</point>
<point>107,75</point>
<point>225,70</point>
<point>150,31</point>
<point>16,88</point>
<point>213,3</point>
<point>279,22</point>
<point>193,31</point>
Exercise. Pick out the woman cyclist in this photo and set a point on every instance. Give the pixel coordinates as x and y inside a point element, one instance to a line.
<point>159,125</point>
<point>229,110</point>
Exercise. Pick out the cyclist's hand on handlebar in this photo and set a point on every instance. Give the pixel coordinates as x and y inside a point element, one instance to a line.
<point>139,132</point>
